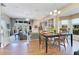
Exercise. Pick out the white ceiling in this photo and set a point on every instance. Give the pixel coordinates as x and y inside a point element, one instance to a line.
<point>71,12</point>
<point>30,10</point>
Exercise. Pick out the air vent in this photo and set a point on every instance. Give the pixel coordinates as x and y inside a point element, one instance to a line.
<point>3,5</point>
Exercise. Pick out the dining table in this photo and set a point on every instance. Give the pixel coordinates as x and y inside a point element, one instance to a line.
<point>52,35</point>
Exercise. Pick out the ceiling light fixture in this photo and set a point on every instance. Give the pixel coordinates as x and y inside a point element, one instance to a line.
<point>51,13</point>
<point>59,12</point>
<point>55,11</point>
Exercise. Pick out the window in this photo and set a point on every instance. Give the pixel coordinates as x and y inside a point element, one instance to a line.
<point>75,21</point>
<point>64,22</point>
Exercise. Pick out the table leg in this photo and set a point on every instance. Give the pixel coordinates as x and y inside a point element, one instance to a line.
<point>71,40</point>
<point>46,42</point>
<point>39,40</point>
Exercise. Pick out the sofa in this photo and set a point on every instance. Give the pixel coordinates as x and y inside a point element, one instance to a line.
<point>76,52</point>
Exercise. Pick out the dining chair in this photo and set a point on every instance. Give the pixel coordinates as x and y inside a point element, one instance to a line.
<point>60,41</point>
<point>64,30</point>
<point>41,38</point>
<point>42,41</point>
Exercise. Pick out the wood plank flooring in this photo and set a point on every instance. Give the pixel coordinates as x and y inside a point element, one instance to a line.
<point>22,48</point>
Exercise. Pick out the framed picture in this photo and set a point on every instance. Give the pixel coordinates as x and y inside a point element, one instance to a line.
<point>36,26</point>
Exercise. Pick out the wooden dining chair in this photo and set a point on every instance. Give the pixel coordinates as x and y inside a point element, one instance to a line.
<point>41,38</point>
<point>60,41</point>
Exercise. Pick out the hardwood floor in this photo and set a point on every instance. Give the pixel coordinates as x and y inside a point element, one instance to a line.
<point>22,48</point>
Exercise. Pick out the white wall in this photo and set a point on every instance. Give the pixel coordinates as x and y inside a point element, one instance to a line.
<point>0,9</point>
<point>4,20</point>
<point>35,23</point>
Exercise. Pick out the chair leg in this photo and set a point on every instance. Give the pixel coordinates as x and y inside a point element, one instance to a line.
<point>64,45</point>
<point>67,40</point>
<point>42,44</point>
<point>39,41</point>
<point>54,43</point>
<point>59,45</point>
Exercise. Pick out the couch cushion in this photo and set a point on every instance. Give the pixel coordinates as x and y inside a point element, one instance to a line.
<point>76,52</point>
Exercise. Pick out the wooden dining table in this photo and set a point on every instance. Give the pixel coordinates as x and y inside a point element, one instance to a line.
<point>51,35</point>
